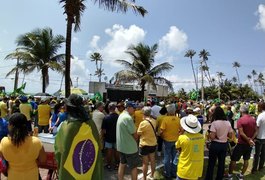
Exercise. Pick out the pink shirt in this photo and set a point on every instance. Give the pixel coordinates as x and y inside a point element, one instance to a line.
<point>221,128</point>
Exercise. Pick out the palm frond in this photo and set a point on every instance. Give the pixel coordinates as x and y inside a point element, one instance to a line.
<point>160,69</point>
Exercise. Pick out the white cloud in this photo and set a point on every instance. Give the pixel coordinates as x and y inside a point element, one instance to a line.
<point>181,82</point>
<point>174,41</point>
<point>94,42</point>
<point>121,38</point>
<point>75,40</point>
<point>78,68</point>
<point>261,13</point>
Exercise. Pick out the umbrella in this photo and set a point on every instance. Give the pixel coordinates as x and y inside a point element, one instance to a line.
<point>42,94</point>
<point>78,91</point>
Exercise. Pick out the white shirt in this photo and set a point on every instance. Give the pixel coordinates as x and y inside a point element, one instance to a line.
<point>261,125</point>
<point>98,117</point>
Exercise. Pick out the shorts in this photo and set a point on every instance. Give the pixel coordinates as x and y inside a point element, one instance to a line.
<point>145,150</point>
<point>132,160</point>
<point>241,150</point>
<point>110,145</point>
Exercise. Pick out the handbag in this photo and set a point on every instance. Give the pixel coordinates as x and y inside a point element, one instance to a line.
<point>3,166</point>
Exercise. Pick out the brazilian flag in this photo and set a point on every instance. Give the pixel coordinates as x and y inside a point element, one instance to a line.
<point>77,151</point>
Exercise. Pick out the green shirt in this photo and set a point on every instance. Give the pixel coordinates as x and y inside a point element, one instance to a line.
<point>124,134</point>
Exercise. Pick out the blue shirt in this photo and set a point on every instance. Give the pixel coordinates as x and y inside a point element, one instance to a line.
<point>3,128</point>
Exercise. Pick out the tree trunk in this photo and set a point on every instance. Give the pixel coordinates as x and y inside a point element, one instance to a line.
<point>237,77</point>
<point>16,76</point>
<point>44,72</point>
<point>142,90</point>
<point>195,79</point>
<point>202,88</point>
<point>68,57</point>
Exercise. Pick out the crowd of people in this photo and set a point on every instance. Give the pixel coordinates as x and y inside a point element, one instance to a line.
<point>131,134</point>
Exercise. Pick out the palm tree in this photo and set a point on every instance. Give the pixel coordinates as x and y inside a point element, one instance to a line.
<point>97,58</point>
<point>204,55</point>
<point>254,73</point>
<point>236,65</point>
<point>205,69</point>
<point>38,50</point>
<point>74,10</point>
<point>190,53</point>
<point>249,79</point>
<point>142,67</point>
<point>99,73</point>
<point>234,80</point>
<point>260,80</point>
<point>220,76</point>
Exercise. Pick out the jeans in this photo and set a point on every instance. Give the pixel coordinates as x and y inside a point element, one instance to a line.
<point>169,156</point>
<point>217,150</point>
<point>259,156</point>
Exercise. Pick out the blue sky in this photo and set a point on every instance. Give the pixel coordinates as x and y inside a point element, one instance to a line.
<point>229,30</point>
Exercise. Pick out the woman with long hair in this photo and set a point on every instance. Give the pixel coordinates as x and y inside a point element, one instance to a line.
<point>219,131</point>
<point>21,151</point>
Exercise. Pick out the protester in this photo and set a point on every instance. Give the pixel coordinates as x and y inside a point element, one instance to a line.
<point>21,151</point>
<point>247,131</point>
<point>15,107</point>
<point>54,117</point>
<point>160,118</point>
<point>44,113</point>
<point>148,142</point>
<point>3,107</point>
<point>259,157</point>
<point>109,135</point>
<point>3,128</point>
<point>138,115</point>
<point>98,115</point>
<point>26,109</point>
<point>126,142</point>
<point>190,144</point>
<point>155,109</point>
<point>77,144</point>
<point>219,131</point>
<point>170,133</point>
<point>120,107</point>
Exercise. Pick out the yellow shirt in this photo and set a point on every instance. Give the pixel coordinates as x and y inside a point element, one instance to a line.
<point>26,109</point>
<point>190,164</point>
<point>170,128</point>
<point>159,120</point>
<point>138,117</point>
<point>146,133</point>
<point>3,109</point>
<point>44,113</point>
<point>22,159</point>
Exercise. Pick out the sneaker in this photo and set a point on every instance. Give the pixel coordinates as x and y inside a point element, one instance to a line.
<point>240,176</point>
<point>228,177</point>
